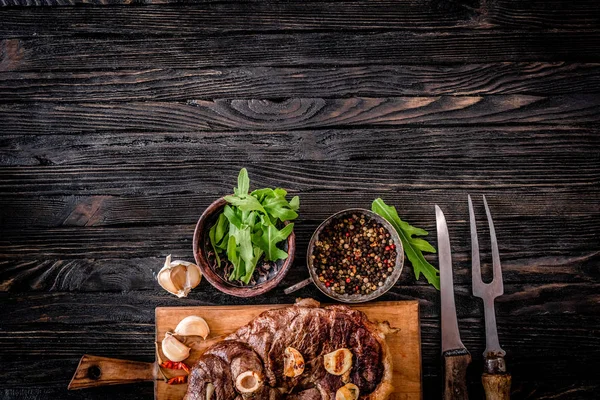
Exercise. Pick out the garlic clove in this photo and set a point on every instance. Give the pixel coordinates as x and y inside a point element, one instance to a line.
<point>248,382</point>
<point>173,349</point>
<point>179,277</point>
<point>192,326</point>
<point>193,275</point>
<point>347,392</point>
<point>338,362</point>
<point>293,362</point>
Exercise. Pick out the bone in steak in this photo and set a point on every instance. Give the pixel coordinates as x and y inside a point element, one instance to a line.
<point>256,352</point>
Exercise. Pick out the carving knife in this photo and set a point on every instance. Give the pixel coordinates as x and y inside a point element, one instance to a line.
<point>455,355</point>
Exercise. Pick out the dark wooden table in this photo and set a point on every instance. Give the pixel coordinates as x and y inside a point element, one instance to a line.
<point>121,121</point>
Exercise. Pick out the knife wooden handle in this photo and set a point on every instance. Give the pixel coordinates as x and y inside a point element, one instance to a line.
<point>455,374</point>
<point>496,381</point>
<point>99,371</point>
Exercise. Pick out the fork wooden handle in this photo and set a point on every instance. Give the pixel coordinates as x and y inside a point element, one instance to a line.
<point>496,386</point>
<point>455,374</point>
<point>496,381</point>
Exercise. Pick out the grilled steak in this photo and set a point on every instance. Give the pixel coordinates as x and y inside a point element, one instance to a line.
<point>255,353</point>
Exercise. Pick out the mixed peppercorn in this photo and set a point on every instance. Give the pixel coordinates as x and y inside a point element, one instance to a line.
<point>354,255</point>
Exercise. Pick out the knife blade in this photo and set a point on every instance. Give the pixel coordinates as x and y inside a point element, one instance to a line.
<point>455,355</point>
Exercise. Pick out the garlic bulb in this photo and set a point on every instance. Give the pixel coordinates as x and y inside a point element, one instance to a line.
<point>192,326</point>
<point>179,277</point>
<point>173,349</point>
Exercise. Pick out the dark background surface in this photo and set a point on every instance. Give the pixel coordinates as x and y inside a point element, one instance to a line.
<point>121,121</point>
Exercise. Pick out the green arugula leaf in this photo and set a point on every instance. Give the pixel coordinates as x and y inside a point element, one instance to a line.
<point>248,203</point>
<point>221,228</point>
<point>295,203</point>
<point>261,194</point>
<point>247,228</point>
<point>244,241</point>
<point>278,207</point>
<point>243,183</point>
<point>218,235</point>
<point>413,247</point>
<point>233,257</point>
<point>213,243</point>
<point>232,217</point>
<point>279,192</point>
<point>269,237</point>
<point>251,266</point>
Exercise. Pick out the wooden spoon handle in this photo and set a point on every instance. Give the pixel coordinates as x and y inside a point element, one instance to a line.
<point>99,371</point>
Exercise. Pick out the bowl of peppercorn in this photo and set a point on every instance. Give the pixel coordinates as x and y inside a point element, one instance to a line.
<point>355,256</point>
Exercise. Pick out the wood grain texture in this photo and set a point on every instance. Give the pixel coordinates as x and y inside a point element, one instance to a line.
<point>119,125</point>
<point>297,113</point>
<point>404,345</point>
<point>148,209</point>
<point>141,242</point>
<point>199,176</point>
<point>491,144</point>
<point>225,17</point>
<point>94,371</point>
<point>218,17</point>
<point>496,387</point>
<point>128,274</point>
<point>456,362</point>
<point>281,82</point>
<point>307,49</point>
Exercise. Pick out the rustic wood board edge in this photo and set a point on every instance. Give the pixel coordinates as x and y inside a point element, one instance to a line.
<point>406,313</point>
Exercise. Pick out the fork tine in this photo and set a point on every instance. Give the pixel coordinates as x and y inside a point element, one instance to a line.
<point>497,281</point>
<point>476,266</point>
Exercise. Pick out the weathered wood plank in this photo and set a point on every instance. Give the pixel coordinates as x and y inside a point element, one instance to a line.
<point>274,82</point>
<point>280,49</point>
<point>522,305</point>
<point>223,17</point>
<point>552,14</point>
<point>570,144</point>
<point>181,16</point>
<point>518,242</point>
<point>143,209</point>
<point>117,275</point>
<point>296,113</point>
<point>495,175</point>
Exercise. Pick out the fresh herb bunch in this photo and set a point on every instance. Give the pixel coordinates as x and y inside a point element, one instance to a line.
<point>247,228</point>
<point>413,247</point>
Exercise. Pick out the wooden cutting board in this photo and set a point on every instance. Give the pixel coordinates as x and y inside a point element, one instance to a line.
<point>405,345</point>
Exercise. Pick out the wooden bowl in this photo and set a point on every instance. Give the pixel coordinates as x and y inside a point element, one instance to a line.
<point>390,280</point>
<point>200,254</point>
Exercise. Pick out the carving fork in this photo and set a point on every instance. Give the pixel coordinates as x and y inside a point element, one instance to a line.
<point>496,381</point>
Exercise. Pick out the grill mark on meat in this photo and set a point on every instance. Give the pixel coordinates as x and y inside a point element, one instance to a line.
<point>313,331</point>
